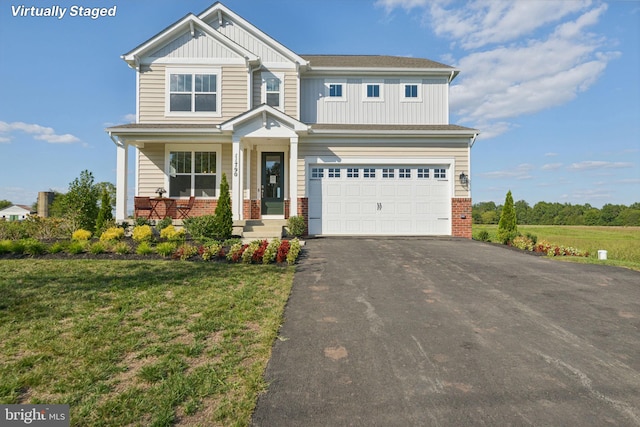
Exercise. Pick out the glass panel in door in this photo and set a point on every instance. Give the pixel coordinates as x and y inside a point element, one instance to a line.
<point>272,183</point>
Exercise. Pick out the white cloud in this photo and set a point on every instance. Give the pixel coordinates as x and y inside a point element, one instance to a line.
<point>598,164</point>
<point>550,154</point>
<point>520,172</point>
<point>41,133</point>
<point>130,118</point>
<point>516,57</point>
<point>551,166</point>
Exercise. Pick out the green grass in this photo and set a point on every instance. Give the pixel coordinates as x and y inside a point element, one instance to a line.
<point>621,243</point>
<point>148,343</point>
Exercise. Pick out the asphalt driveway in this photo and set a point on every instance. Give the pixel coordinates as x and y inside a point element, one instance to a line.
<point>436,332</point>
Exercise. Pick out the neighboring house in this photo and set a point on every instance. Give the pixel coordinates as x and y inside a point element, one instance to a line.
<point>357,145</point>
<point>15,213</point>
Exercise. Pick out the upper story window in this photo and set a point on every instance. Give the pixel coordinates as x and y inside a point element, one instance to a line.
<point>411,91</point>
<point>272,90</point>
<point>335,89</point>
<point>373,91</point>
<point>193,92</point>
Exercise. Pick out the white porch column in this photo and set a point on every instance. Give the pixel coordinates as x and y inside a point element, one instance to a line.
<point>236,189</point>
<point>293,176</point>
<point>248,173</point>
<point>122,164</point>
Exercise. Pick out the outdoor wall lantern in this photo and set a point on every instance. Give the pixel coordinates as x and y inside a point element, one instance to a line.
<point>464,179</point>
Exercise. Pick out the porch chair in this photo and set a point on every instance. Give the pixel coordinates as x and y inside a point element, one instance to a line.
<point>183,207</point>
<point>142,204</point>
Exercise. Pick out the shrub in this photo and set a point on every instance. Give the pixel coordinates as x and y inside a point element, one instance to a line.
<point>283,251</point>
<point>532,237</point>
<point>483,236</point>
<point>142,221</point>
<point>5,246</point>
<point>185,251</point>
<point>223,214</point>
<point>271,251</point>
<point>170,233</point>
<point>294,251</point>
<point>258,254</point>
<point>166,249</point>
<point>46,228</point>
<point>98,248</point>
<point>112,233</point>
<point>144,248</point>
<point>81,234</point>
<point>122,248</point>
<point>18,246</point>
<point>76,247</point>
<point>142,233</point>
<point>58,247</point>
<point>201,228</point>
<point>508,225</point>
<point>296,226</point>
<point>164,223</point>
<point>13,230</point>
<point>236,251</point>
<point>524,243</point>
<point>247,255</point>
<point>34,247</point>
<point>105,216</point>
<point>211,251</point>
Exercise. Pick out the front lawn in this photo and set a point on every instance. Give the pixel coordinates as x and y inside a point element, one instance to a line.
<point>139,342</point>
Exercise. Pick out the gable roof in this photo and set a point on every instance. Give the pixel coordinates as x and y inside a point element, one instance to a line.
<point>263,110</point>
<point>189,22</point>
<point>377,64</point>
<point>219,11</point>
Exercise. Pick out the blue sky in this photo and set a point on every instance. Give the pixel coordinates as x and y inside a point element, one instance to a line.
<point>554,86</point>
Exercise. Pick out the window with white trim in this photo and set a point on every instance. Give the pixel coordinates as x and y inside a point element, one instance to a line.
<point>317,173</point>
<point>335,89</point>
<point>372,91</point>
<point>439,173</point>
<point>404,173</point>
<point>272,90</point>
<point>193,91</point>
<point>369,173</point>
<point>411,91</point>
<point>388,173</point>
<point>333,173</point>
<point>353,173</point>
<point>192,173</point>
<point>423,173</point>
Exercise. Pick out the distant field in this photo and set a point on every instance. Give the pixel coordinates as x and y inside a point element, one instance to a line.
<point>621,243</point>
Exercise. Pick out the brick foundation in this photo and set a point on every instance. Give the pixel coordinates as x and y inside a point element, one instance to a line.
<point>303,211</point>
<point>251,209</point>
<point>461,217</point>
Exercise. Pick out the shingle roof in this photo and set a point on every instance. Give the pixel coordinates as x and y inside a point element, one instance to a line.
<point>372,61</point>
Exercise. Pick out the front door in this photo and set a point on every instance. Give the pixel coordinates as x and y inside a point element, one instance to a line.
<point>272,184</point>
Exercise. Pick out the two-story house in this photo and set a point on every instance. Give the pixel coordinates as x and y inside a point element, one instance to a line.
<point>357,145</point>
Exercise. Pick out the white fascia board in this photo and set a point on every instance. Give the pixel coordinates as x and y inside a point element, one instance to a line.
<point>253,31</point>
<point>296,125</point>
<point>398,133</point>
<point>128,132</point>
<point>183,25</point>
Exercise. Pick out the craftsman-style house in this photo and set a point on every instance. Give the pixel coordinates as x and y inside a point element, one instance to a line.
<point>357,145</point>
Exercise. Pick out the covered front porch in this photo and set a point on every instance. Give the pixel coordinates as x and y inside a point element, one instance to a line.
<point>257,151</point>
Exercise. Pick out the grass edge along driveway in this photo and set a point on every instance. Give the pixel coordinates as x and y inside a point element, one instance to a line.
<point>139,342</point>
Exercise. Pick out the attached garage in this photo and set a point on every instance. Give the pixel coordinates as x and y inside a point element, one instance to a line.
<point>379,199</point>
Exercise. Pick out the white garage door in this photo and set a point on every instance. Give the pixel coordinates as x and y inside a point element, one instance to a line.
<point>384,200</point>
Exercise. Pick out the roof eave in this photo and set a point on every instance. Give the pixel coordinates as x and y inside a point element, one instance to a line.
<point>383,71</point>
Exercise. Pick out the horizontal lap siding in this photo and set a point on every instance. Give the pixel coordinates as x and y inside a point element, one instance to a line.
<point>150,169</point>
<point>153,95</point>
<point>290,88</point>
<point>386,150</point>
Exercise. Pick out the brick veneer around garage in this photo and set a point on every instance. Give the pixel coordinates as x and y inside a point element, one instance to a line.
<point>461,219</point>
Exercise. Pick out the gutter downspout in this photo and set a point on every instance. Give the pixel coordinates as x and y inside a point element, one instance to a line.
<point>250,82</point>
<point>473,139</point>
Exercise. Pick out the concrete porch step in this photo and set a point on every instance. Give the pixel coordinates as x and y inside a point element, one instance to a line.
<point>263,228</point>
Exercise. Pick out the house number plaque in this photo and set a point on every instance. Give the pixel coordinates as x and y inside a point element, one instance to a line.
<point>235,166</point>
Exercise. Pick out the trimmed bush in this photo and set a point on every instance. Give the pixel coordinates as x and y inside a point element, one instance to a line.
<point>81,234</point>
<point>164,223</point>
<point>144,248</point>
<point>296,226</point>
<point>111,234</point>
<point>34,247</point>
<point>212,251</point>
<point>223,214</point>
<point>201,228</point>
<point>171,234</point>
<point>508,225</point>
<point>294,251</point>
<point>271,251</point>
<point>121,248</point>
<point>142,233</point>
<point>166,249</point>
<point>483,236</point>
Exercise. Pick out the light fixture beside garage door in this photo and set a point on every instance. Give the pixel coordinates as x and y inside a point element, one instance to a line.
<point>464,179</point>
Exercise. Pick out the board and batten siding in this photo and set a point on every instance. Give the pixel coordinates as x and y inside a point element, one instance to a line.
<point>316,107</point>
<point>153,95</point>
<point>200,46</point>
<point>389,149</point>
<point>248,41</point>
